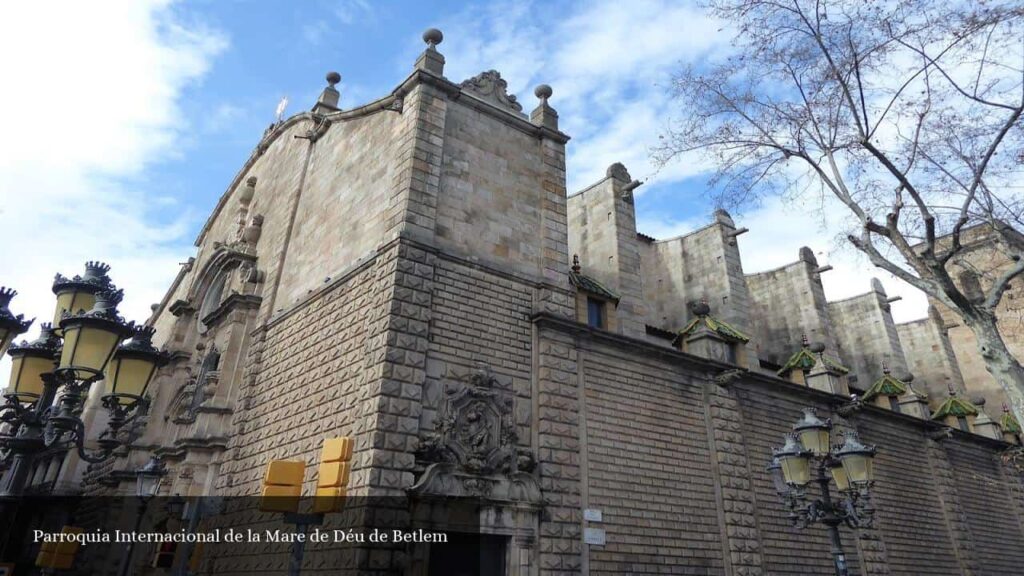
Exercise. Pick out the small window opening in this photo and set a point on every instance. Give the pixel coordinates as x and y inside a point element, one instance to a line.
<point>595,313</point>
<point>964,425</point>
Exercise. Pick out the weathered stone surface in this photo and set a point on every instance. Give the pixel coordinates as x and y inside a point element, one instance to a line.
<point>411,244</point>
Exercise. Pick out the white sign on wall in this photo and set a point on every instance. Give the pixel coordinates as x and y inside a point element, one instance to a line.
<point>594,536</point>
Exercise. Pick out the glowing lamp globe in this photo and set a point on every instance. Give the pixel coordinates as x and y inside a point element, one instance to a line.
<point>857,460</point>
<point>814,433</point>
<point>90,338</point>
<point>30,361</point>
<point>78,294</point>
<point>133,367</point>
<point>795,462</point>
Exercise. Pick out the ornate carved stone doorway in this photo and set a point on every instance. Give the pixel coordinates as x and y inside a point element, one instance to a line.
<point>457,557</point>
<point>478,485</point>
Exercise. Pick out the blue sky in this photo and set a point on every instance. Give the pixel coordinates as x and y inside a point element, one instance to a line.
<point>126,121</point>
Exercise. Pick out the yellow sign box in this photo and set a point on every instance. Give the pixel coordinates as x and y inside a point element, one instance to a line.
<point>337,450</point>
<point>282,486</point>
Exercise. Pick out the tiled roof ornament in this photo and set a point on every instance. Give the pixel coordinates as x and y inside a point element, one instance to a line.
<point>490,87</point>
<point>712,338</point>
<point>431,60</point>
<point>704,321</point>
<point>898,394</point>
<point>1008,422</point>
<point>956,411</point>
<point>809,356</point>
<point>1010,426</point>
<point>587,284</point>
<point>887,385</point>
<point>544,115</point>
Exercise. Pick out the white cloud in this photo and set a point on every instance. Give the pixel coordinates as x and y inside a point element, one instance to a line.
<point>610,64</point>
<point>84,115</point>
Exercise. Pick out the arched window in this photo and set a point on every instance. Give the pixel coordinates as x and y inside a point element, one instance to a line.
<point>212,299</point>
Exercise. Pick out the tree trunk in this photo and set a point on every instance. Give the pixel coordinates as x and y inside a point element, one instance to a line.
<point>999,362</point>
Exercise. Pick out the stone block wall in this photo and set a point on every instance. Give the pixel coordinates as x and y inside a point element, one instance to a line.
<point>602,232</point>
<point>786,304</point>
<point>339,216</point>
<point>670,455</point>
<point>445,231</point>
<point>704,264</point>
<point>990,515</point>
<point>648,465</point>
<point>930,357</point>
<point>866,335</point>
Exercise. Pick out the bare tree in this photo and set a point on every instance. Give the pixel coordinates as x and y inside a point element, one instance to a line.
<point>908,112</point>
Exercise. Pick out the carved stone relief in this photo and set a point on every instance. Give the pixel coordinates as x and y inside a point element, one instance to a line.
<point>473,449</point>
<point>490,86</point>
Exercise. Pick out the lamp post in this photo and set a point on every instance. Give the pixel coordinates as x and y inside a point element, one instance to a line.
<point>147,485</point>
<point>51,376</point>
<point>808,456</point>
<point>10,325</point>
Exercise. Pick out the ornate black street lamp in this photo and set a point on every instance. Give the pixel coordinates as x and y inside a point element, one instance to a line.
<point>51,377</point>
<point>147,486</point>
<point>10,325</point>
<point>808,456</point>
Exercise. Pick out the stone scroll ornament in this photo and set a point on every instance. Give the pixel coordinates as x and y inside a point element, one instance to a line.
<point>490,86</point>
<point>473,450</point>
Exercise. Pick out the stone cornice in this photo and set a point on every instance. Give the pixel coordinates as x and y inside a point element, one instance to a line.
<point>757,379</point>
<point>239,301</point>
<point>463,96</point>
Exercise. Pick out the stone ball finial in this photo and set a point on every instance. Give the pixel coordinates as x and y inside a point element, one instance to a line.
<point>701,308</point>
<point>907,377</point>
<point>817,347</point>
<point>433,37</point>
<point>543,92</point>
<point>333,78</point>
<point>978,401</point>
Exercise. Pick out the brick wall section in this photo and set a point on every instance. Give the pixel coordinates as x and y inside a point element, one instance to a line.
<point>787,303</point>
<point>398,348</point>
<point>1013,479</point>
<point>554,226</point>
<point>558,437</point>
<point>905,497</point>
<point>989,508</point>
<point>350,168</point>
<point>479,318</point>
<point>731,466</point>
<point>649,477</point>
<point>768,414</point>
<point>953,511</point>
<point>307,379</point>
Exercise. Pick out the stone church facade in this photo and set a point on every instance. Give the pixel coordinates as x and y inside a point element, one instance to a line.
<point>413,273</point>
